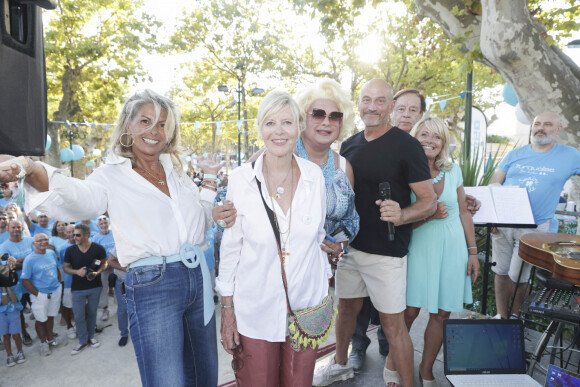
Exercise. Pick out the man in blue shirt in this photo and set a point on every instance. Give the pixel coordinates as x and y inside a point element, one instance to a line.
<point>105,239</point>
<point>42,225</point>
<point>40,278</point>
<point>542,168</point>
<point>4,235</point>
<point>19,247</point>
<point>7,192</point>
<point>66,309</point>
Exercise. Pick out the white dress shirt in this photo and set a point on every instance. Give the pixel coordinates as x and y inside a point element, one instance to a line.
<point>249,263</point>
<point>144,220</point>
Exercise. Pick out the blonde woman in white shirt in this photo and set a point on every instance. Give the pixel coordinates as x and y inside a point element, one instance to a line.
<point>159,218</point>
<point>254,307</point>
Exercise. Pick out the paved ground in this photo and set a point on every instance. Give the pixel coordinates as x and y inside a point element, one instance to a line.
<point>111,365</point>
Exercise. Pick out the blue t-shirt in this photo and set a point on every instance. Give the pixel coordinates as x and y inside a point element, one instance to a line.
<point>543,174</point>
<point>4,237</point>
<point>37,229</point>
<point>18,250</point>
<point>57,242</point>
<point>12,306</point>
<point>209,253</point>
<point>61,251</point>
<point>107,241</point>
<point>42,271</point>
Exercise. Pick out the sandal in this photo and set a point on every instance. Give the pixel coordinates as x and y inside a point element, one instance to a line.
<point>427,383</point>
<point>391,377</point>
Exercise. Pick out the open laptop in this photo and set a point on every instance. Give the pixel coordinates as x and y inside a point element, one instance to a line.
<point>558,377</point>
<point>485,352</point>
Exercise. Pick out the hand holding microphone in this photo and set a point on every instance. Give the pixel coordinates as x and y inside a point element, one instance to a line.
<point>390,210</point>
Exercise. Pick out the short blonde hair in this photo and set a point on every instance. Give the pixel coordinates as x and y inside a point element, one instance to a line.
<point>329,89</point>
<point>128,113</point>
<point>275,101</point>
<point>437,126</point>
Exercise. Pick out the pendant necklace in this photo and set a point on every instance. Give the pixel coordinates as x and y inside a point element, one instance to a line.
<point>437,178</point>
<point>284,249</point>
<point>157,179</point>
<point>279,189</point>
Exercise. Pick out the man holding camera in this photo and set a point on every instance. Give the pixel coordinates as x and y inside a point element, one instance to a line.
<point>40,278</point>
<point>85,261</point>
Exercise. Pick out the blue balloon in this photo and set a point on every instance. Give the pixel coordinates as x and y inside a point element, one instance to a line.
<point>78,152</point>
<point>66,155</point>
<point>48,142</point>
<point>509,95</point>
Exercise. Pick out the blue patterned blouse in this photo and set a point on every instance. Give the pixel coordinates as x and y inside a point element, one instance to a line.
<point>340,209</point>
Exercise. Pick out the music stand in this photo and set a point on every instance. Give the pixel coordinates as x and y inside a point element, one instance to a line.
<point>501,206</point>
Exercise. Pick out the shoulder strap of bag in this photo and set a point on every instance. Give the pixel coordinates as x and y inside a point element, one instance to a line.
<point>277,235</point>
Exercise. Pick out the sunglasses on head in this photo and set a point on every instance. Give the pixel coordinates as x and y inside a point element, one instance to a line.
<point>320,114</point>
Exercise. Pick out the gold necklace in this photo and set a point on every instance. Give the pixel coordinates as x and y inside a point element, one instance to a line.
<point>285,253</point>
<point>157,179</point>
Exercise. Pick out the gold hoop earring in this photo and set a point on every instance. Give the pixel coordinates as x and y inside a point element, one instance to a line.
<point>121,140</point>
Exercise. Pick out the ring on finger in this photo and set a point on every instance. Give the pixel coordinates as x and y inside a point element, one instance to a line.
<point>221,223</point>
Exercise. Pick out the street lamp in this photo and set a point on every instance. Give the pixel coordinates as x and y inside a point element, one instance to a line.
<point>241,92</point>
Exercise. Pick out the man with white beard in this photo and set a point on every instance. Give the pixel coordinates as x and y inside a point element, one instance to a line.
<point>543,168</point>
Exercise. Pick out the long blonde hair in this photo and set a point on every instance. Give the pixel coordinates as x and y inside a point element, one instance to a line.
<point>437,126</point>
<point>129,111</point>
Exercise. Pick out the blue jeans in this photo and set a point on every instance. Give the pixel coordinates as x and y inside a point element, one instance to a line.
<point>122,318</point>
<point>90,298</point>
<point>172,344</point>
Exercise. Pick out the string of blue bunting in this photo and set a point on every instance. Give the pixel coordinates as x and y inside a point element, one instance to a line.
<point>197,124</point>
<point>429,101</point>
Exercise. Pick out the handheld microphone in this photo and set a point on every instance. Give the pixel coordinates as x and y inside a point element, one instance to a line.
<point>385,194</point>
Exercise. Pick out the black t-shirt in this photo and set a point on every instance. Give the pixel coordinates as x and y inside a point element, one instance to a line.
<point>78,259</point>
<point>395,157</point>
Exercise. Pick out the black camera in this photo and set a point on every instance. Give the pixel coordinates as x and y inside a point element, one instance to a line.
<point>93,268</point>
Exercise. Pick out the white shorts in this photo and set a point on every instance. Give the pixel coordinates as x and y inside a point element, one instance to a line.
<point>44,307</point>
<point>67,298</point>
<point>381,277</point>
<point>505,247</point>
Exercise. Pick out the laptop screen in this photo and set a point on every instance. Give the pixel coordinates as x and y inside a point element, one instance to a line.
<point>483,347</point>
<point>558,377</point>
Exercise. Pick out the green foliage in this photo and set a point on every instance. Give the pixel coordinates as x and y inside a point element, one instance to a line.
<point>92,53</point>
<point>472,169</point>
<point>497,139</point>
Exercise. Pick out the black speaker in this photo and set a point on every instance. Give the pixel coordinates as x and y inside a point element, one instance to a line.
<point>22,77</point>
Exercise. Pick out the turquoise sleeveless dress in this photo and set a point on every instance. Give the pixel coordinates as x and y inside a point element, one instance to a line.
<point>437,259</point>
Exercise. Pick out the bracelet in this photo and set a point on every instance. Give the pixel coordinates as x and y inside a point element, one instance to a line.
<point>4,294</point>
<point>226,306</point>
<point>209,176</point>
<point>472,247</point>
<point>472,254</point>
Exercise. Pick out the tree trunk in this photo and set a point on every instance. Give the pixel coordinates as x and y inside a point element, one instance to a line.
<point>514,44</point>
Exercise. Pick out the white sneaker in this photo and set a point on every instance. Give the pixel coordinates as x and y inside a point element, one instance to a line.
<point>331,373</point>
<point>45,349</point>
<point>94,343</point>
<point>71,333</point>
<point>105,315</point>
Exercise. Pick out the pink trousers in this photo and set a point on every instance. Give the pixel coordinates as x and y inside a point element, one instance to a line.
<point>268,364</point>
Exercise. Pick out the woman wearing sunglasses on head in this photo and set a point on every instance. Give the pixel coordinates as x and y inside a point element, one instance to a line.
<point>329,117</point>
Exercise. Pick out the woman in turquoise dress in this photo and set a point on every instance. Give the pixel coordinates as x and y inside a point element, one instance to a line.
<point>442,260</point>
